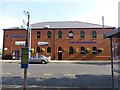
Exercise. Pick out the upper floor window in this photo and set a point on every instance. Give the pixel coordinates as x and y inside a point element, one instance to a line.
<point>70,34</point>
<point>48,34</point>
<point>82,35</point>
<point>38,34</point>
<point>59,34</point>
<point>94,50</point>
<point>82,50</point>
<point>71,50</point>
<point>94,34</point>
<point>48,50</point>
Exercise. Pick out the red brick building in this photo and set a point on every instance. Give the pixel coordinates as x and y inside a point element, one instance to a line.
<point>67,40</point>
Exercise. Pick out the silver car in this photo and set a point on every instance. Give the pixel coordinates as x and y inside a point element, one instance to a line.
<point>39,59</point>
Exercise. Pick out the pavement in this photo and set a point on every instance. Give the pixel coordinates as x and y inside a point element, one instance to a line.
<point>52,88</point>
<point>67,61</point>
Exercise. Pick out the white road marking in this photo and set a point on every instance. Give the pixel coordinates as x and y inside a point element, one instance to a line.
<point>7,73</point>
<point>46,74</point>
<point>27,73</point>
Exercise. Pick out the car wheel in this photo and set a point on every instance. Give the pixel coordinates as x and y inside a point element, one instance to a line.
<point>43,62</point>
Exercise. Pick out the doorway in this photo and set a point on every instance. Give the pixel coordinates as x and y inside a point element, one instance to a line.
<point>59,53</point>
<point>15,54</point>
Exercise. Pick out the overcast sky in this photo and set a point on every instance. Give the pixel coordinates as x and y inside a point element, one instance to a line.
<point>11,12</point>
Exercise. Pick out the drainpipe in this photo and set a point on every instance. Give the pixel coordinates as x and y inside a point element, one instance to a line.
<point>3,44</point>
<point>54,45</point>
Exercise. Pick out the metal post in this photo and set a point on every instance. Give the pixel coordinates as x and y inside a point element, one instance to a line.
<point>112,63</point>
<point>27,37</point>
<point>25,79</point>
<point>27,33</point>
<point>103,27</point>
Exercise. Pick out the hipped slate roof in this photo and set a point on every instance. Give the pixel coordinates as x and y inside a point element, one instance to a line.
<point>63,24</point>
<point>66,24</point>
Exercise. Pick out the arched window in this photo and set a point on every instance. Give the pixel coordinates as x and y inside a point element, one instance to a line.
<point>82,49</point>
<point>48,50</point>
<point>38,49</point>
<point>59,34</point>
<point>71,50</point>
<point>71,34</point>
<point>82,35</point>
<point>38,34</point>
<point>94,35</point>
<point>94,50</point>
<point>48,34</point>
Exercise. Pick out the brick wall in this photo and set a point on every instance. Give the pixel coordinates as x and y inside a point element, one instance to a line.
<point>64,43</point>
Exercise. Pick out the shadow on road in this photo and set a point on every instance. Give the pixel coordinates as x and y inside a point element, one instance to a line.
<point>80,81</point>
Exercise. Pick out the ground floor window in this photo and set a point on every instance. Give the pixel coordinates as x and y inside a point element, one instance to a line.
<point>71,51</point>
<point>48,50</point>
<point>94,50</point>
<point>38,49</point>
<point>82,49</point>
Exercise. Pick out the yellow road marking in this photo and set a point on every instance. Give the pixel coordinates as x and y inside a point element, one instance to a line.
<point>69,74</point>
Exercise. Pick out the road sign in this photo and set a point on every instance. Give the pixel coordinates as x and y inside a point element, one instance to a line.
<point>24,57</point>
<point>25,21</point>
<point>24,26</point>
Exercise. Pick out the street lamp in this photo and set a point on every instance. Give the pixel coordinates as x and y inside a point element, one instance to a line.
<point>27,33</point>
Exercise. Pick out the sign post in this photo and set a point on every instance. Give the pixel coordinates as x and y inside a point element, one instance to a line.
<point>25,52</point>
<point>24,64</point>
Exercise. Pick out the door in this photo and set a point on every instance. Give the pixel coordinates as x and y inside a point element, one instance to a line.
<point>15,54</point>
<point>59,53</point>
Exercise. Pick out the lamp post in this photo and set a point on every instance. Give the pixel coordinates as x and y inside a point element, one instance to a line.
<point>27,31</point>
<point>26,45</point>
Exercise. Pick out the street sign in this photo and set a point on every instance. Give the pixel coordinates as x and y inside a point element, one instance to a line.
<point>24,26</point>
<point>24,57</point>
<point>25,20</point>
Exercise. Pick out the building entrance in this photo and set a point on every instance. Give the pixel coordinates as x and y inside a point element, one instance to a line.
<point>15,54</point>
<point>59,53</point>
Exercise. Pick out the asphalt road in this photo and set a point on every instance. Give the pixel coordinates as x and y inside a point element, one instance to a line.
<point>58,75</point>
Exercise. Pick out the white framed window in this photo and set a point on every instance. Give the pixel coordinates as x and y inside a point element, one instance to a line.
<point>71,34</point>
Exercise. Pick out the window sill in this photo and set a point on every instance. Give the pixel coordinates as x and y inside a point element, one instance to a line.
<point>93,38</point>
<point>59,38</point>
<point>48,53</point>
<point>48,38</point>
<point>69,38</point>
<point>81,38</point>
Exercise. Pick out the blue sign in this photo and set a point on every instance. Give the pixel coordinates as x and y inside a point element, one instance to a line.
<point>82,42</point>
<point>18,36</point>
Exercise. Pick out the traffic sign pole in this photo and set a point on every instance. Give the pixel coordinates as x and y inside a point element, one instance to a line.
<point>24,64</point>
<point>26,45</point>
<point>25,79</point>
